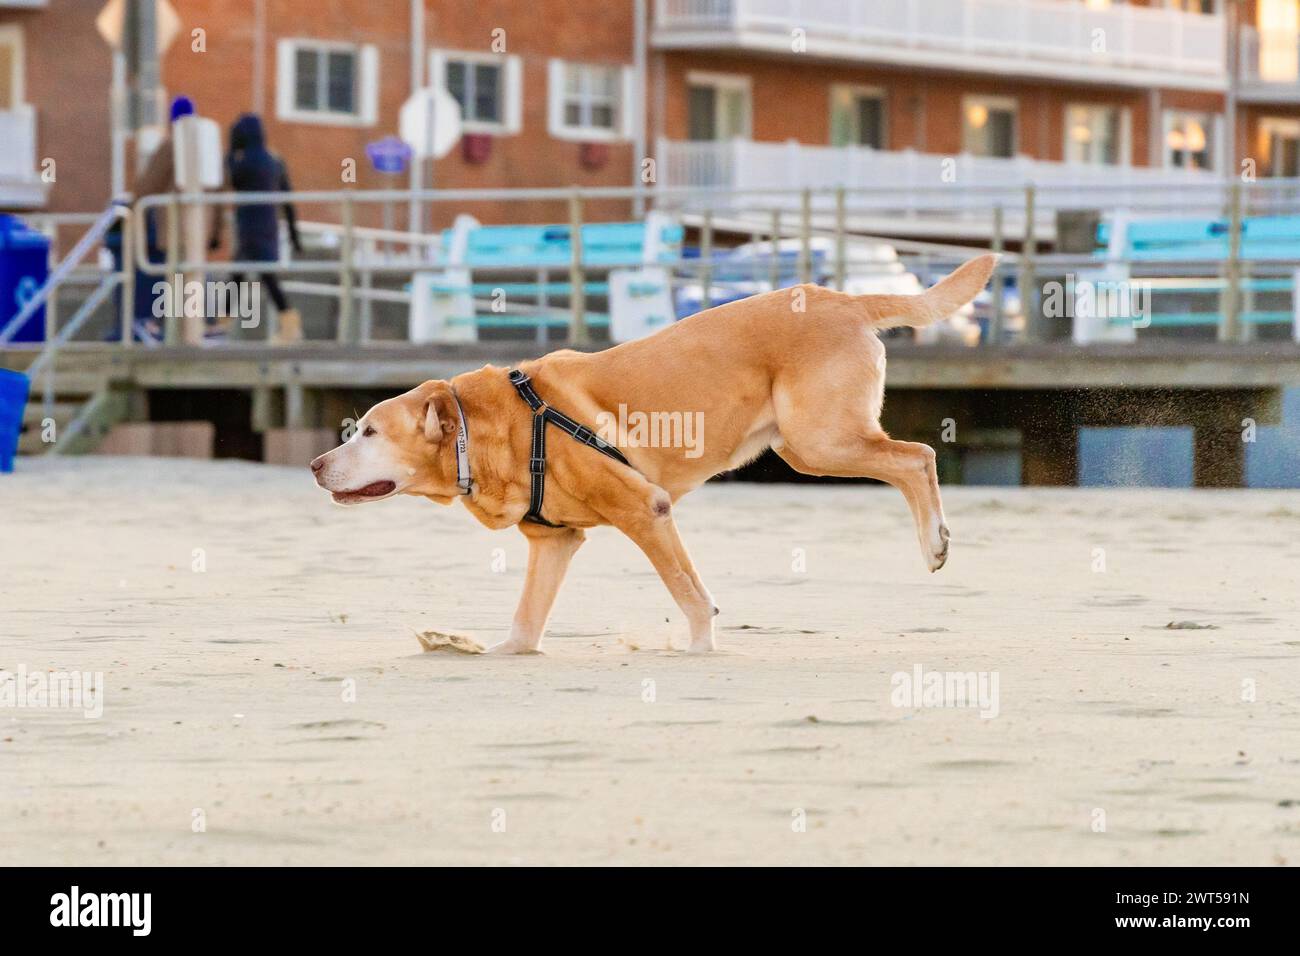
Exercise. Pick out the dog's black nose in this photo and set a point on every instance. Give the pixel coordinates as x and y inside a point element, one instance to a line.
<point>317,464</point>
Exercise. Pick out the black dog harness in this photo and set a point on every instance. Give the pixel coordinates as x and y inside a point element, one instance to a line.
<point>542,414</point>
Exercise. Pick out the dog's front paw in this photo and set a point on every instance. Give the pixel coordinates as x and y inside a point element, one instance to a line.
<point>702,639</point>
<point>512,646</point>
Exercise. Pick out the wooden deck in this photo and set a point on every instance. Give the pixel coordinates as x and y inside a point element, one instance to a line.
<point>1164,365</point>
<point>1040,394</point>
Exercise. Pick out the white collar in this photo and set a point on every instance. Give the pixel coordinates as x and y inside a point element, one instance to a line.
<point>463,481</point>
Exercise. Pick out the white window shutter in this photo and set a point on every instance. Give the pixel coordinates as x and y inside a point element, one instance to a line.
<point>555,97</point>
<point>285,79</point>
<point>1219,158</point>
<point>437,69</point>
<point>629,107</point>
<point>368,107</point>
<point>514,87</point>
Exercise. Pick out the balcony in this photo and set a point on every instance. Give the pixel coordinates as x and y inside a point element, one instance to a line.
<point>20,184</point>
<point>1270,74</point>
<point>1061,40</point>
<point>912,193</point>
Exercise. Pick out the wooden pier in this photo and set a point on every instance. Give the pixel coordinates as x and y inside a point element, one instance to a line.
<point>1036,395</point>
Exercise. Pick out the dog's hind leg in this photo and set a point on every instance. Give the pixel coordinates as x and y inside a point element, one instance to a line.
<point>908,466</point>
<point>549,552</point>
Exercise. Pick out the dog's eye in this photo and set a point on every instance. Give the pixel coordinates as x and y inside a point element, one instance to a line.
<point>370,430</point>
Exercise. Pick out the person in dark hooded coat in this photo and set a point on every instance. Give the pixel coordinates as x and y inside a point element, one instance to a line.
<point>251,167</point>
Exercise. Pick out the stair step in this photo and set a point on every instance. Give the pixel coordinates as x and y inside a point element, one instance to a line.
<point>29,442</point>
<point>61,412</point>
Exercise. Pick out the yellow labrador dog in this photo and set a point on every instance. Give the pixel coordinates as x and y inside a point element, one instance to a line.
<point>799,370</point>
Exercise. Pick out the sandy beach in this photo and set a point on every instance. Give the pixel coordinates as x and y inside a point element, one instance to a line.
<point>265,700</point>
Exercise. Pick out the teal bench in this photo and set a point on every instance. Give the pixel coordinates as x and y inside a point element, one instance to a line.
<point>442,307</point>
<point>1203,245</point>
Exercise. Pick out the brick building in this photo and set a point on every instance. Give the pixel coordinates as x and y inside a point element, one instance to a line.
<point>737,92</point>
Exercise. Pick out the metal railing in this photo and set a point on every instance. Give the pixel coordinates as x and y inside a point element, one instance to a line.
<point>356,265</point>
<point>1054,38</point>
<point>1269,73</point>
<point>917,179</point>
<point>99,227</point>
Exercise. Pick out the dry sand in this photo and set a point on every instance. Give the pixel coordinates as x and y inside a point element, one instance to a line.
<point>225,689</point>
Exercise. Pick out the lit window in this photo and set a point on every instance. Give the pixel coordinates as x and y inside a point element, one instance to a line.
<point>1096,135</point>
<point>1279,41</point>
<point>1188,140</point>
<point>1280,140</point>
<point>989,126</point>
<point>1192,6</point>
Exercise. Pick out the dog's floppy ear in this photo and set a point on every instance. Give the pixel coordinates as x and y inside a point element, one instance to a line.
<point>432,429</point>
<point>439,411</point>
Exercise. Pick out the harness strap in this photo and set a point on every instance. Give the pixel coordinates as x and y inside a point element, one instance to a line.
<point>543,414</point>
<point>537,472</point>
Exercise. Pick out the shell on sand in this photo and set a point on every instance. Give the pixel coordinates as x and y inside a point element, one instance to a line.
<point>438,641</point>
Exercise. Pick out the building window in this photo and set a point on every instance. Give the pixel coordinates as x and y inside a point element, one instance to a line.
<point>1280,139</point>
<point>1278,40</point>
<point>11,67</point>
<point>718,105</point>
<point>489,89</point>
<point>323,82</point>
<point>1096,135</point>
<point>857,116</point>
<point>590,102</point>
<point>989,126</point>
<point>1188,140</point>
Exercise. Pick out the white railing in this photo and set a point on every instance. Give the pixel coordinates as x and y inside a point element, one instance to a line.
<point>1042,37</point>
<point>1274,75</point>
<point>20,185</point>
<point>908,179</point>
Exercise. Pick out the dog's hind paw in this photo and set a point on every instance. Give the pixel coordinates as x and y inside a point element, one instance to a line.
<point>939,555</point>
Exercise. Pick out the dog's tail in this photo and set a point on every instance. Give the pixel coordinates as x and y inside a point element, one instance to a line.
<point>937,302</point>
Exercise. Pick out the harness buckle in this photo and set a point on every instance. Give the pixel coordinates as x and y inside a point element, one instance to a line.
<point>537,466</point>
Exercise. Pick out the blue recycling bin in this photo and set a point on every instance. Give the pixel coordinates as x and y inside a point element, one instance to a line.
<point>13,398</point>
<point>24,266</point>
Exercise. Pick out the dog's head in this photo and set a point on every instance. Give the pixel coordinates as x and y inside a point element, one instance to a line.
<point>401,446</point>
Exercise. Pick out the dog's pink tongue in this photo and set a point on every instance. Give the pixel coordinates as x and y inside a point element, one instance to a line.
<point>375,489</point>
